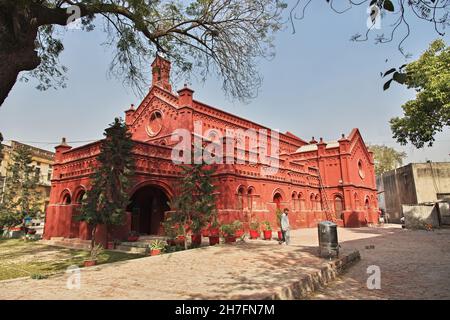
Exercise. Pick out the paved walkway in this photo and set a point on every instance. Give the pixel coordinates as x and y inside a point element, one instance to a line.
<point>414,264</point>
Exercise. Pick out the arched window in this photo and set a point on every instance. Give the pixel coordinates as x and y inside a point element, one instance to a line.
<point>250,193</point>
<point>301,200</point>
<point>294,201</point>
<point>66,199</point>
<point>318,203</point>
<point>338,206</point>
<point>277,198</point>
<point>357,202</point>
<point>80,197</point>
<point>367,204</point>
<point>241,198</point>
<point>312,201</point>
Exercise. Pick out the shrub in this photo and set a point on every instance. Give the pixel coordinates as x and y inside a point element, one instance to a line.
<point>237,224</point>
<point>267,226</point>
<point>157,245</point>
<point>38,276</point>
<point>228,230</point>
<point>254,225</point>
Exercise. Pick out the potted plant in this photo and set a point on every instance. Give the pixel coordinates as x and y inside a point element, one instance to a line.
<point>133,236</point>
<point>229,232</point>
<point>31,231</point>
<point>170,232</point>
<point>96,250</point>
<point>214,233</point>
<point>156,247</point>
<point>267,231</point>
<point>180,238</point>
<point>239,231</point>
<point>254,229</point>
<point>205,231</point>
<point>214,229</point>
<point>196,228</point>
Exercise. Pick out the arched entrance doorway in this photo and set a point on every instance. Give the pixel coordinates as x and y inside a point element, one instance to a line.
<point>147,207</point>
<point>338,206</point>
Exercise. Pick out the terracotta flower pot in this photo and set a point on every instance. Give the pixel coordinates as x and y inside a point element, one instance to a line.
<point>180,240</point>
<point>254,234</point>
<point>213,240</point>
<point>280,235</point>
<point>133,238</point>
<point>230,239</point>
<point>31,231</point>
<point>155,252</point>
<point>267,234</point>
<point>90,263</point>
<point>110,245</point>
<point>213,232</point>
<point>196,239</point>
<point>239,233</point>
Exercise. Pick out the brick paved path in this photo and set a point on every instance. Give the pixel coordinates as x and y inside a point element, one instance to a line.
<point>414,264</point>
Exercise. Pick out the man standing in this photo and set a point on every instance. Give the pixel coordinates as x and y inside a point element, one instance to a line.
<point>285,226</point>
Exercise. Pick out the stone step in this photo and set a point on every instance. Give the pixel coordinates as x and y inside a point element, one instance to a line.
<point>132,249</point>
<point>137,244</point>
<point>67,244</point>
<point>152,238</point>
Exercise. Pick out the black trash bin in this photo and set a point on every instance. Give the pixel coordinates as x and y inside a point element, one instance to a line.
<point>328,239</point>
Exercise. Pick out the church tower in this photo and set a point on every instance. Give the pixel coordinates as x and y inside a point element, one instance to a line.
<point>161,73</point>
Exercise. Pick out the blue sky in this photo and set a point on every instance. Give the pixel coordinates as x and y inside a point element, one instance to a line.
<point>319,84</point>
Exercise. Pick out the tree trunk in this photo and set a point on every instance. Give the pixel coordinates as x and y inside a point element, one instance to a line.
<point>94,229</point>
<point>18,32</point>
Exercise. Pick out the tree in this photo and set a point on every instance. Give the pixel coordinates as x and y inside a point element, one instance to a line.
<point>429,112</point>
<point>386,158</point>
<point>396,17</point>
<point>106,200</point>
<point>224,37</point>
<point>195,204</point>
<point>1,147</point>
<point>21,197</point>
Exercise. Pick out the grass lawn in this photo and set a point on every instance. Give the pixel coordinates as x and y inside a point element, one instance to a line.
<point>19,258</point>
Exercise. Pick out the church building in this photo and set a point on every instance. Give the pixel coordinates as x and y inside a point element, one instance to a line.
<point>316,180</point>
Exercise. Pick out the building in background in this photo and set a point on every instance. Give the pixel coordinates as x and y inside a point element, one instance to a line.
<point>43,162</point>
<point>415,183</point>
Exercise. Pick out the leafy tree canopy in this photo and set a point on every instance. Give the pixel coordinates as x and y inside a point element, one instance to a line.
<point>223,37</point>
<point>1,147</point>
<point>195,204</point>
<point>21,197</point>
<point>386,158</point>
<point>107,198</point>
<point>429,112</point>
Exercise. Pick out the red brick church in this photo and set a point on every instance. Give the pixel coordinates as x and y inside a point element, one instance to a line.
<point>316,180</point>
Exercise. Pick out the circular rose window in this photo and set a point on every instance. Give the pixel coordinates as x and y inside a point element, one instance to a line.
<point>154,125</point>
<point>361,170</point>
